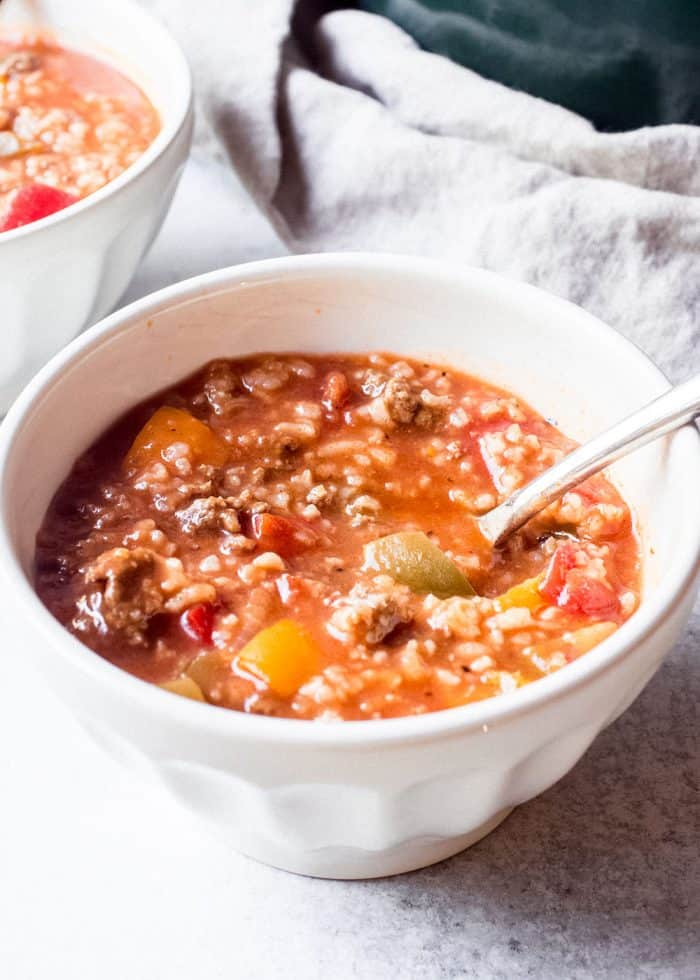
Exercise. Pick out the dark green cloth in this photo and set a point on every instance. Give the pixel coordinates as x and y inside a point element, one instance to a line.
<point>620,63</point>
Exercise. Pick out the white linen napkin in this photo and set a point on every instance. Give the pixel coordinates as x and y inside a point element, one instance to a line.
<point>366,142</point>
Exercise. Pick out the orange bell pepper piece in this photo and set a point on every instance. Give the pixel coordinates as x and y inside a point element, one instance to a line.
<point>283,655</point>
<point>168,425</point>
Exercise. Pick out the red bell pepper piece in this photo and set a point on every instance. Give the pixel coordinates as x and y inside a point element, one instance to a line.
<point>198,622</point>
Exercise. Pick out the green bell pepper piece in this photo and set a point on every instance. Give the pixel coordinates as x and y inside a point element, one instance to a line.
<point>410,557</point>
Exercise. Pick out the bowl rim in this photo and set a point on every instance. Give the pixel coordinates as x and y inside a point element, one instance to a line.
<point>167,134</point>
<point>226,723</point>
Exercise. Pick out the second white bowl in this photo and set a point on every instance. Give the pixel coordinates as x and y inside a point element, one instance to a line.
<point>61,273</point>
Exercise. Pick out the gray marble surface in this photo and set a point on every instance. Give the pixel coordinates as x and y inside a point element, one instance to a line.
<point>101,876</point>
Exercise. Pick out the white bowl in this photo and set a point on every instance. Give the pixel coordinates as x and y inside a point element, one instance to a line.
<point>365,798</point>
<point>61,273</point>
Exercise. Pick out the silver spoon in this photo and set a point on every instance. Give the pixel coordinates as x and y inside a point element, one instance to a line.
<point>666,413</point>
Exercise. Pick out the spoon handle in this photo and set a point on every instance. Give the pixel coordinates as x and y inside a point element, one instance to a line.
<point>666,413</point>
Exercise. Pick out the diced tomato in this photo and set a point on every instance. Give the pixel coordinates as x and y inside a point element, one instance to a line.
<point>588,596</point>
<point>571,589</point>
<point>563,560</point>
<point>198,622</point>
<point>33,202</point>
<point>335,391</point>
<point>286,536</point>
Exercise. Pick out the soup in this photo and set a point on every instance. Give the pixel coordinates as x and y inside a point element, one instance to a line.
<point>295,535</point>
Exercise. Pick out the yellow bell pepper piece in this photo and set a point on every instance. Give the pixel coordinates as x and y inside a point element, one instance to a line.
<point>525,594</point>
<point>185,687</point>
<point>283,655</point>
<point>168,425</point>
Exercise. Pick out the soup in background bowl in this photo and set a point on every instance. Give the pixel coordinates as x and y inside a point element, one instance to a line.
<point>68,125</point>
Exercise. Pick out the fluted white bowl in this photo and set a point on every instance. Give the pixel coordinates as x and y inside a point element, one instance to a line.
<point>67,270</point>
<point>366,798</point>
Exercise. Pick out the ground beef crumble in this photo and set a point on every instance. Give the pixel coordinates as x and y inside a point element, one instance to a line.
<point>371,611</point>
